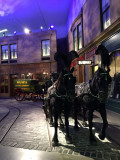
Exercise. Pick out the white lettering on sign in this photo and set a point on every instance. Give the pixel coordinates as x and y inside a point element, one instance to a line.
<point>84,62</point>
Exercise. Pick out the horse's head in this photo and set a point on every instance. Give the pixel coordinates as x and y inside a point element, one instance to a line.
<point>101,50</point>
<point>99,84</point>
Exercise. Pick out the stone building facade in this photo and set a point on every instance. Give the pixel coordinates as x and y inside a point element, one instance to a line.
<point>92,33</point>
<point>100,24</point>
<point>26,56</point>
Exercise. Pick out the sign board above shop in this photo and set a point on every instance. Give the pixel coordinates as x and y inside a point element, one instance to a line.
<point>85,62</point>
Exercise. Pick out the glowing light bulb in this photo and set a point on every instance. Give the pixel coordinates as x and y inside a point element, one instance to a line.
<point>41,27</point>
<point>15,32</point>
<point>51,27</point>
<point>26,30</point>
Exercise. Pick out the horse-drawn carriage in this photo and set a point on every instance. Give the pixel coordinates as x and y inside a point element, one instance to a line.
<point>29,89</point>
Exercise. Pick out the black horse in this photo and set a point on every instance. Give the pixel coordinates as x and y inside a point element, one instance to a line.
<point>64,95</point>
<point>106,58</point>
<point>92,96</point>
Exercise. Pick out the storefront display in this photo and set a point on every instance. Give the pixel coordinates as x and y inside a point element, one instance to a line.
<point>113,46</point>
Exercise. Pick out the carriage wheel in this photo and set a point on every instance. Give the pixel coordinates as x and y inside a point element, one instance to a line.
<point>34,97</point>
<point>19,94</point>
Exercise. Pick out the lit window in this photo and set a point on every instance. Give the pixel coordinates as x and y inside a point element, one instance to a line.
<point>79,36</point>
<point>105,13</point>
<point>4,51</point>
<point>46,48</point>
<point>74,40</point>
<point>13,51</point>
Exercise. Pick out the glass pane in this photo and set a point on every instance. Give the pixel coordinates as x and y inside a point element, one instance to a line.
<point>116,90</point>
<point>46,48</point>
<point>105,4</point>
<point>112,68</point>
<point>74,40</point>
<point>117,56</point>
<point>106,19</point>
<point>13,51</point>
<point>4,52</point>
<point>79,36</point>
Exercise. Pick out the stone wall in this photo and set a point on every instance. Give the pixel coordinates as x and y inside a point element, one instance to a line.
<point>91,20</point>
<point>29,46</point>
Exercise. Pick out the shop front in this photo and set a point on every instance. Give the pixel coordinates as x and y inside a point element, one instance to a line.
<point>113,46</point>
<point>8,73</point>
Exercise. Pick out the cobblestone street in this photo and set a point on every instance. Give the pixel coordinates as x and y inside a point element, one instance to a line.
<point>25,126</point>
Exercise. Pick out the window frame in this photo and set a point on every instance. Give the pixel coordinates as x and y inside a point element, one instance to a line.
<point>4,60</point>
<point>103,13</point>
<point>75,39</point>
<point>48,56</point>
<point>12,60</point>
<point>78,37</point>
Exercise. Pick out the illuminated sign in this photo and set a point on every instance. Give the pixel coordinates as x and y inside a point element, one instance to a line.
<point>87,62</point>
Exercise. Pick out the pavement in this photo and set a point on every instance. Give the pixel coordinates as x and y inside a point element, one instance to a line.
<point>26,135</point>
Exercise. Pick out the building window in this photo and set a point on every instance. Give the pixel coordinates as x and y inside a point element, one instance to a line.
<point>45,48</point>
<point>74,40</point>
<point>115,74</point>
<point>79,36</point>
<point>4,52</point>
<point>4,85</point>
<point>105,9</point>
<point>13,51</point>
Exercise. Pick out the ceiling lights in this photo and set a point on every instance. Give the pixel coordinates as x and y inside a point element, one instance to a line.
<point>3,30</point>
<point>51,27</point>
<point>27,31</point>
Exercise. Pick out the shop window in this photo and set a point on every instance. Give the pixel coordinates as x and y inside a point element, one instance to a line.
<point>45,49</point>
<point>79,36</point>
<point>74,40</point>
<point>4,85</point>
<point>13,53</point>
<point>115,74</point>
<point>4,53</point>
<point>105,13</point>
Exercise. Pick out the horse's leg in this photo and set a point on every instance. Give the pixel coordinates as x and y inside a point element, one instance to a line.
<point>55,138</point>
<point>76,105</point>
<point>61,121</point>
<point>105,123</point>
<point>90,118</point>
<point>51,114</point>
<point>66,113</point>
<point>51,111</point>
<point>84,115</point>
<point>45,108</point>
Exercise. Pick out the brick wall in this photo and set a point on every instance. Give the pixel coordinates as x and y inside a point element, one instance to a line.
<point>29,46</point>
